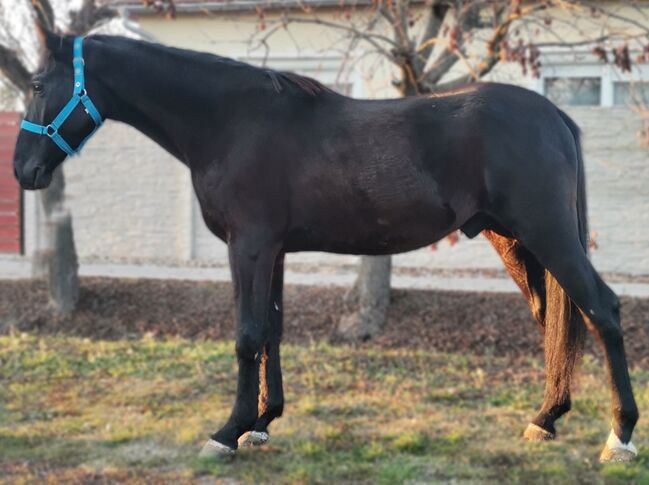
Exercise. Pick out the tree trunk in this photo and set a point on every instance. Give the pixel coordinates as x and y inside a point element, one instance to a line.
<point>367,302</point>
<point>57,261</point>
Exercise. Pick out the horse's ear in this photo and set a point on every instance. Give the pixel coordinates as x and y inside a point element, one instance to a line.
<point>44,23</point>
<point>49,41</point>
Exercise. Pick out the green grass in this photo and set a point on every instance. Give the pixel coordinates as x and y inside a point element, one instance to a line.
<point>77,410</point>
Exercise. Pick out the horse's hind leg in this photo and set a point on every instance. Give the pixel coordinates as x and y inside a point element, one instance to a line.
<point>564,336</point>
<point>271,394</point>
<point>524,269</point>
<point>565,258</point>
<point>530,276</point>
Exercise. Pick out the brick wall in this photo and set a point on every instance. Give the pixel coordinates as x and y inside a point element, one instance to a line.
<point>10,196</point>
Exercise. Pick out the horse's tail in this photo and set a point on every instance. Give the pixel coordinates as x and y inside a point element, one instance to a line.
<point>565,331</point>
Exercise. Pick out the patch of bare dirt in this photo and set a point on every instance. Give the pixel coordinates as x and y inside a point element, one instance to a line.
<point>480,323</point>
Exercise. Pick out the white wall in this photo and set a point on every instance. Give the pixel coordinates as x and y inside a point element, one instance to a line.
<point>130,200</point>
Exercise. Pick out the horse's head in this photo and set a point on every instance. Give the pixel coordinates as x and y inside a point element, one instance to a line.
<point>48,134</point>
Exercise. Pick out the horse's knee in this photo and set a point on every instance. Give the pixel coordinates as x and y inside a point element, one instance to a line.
<point>611,334</point>
<point>606,319</point>
<point>249,344</point>
<point>607,328</point>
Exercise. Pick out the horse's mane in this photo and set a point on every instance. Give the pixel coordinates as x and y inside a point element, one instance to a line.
<point>278,79</point>
<point>306,84</point>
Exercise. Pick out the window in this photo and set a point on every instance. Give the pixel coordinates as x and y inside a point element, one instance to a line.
<point>626,93</point>
<point>574,91</point>
<point>574,79</point>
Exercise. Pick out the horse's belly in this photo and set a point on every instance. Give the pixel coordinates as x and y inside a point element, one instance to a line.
<point>375,235</point>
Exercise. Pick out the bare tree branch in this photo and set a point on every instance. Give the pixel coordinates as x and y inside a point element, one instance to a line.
<point>494,43</point>
<point>436,17</point>
<point>369,37</point>
<point>626,20</point>
<point>14,70</point>
<point>88,16</point>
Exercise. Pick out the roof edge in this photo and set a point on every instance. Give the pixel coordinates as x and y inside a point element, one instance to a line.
<point>239,5</point>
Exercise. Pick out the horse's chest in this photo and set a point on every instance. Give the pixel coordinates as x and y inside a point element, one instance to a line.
<point>212,208</point>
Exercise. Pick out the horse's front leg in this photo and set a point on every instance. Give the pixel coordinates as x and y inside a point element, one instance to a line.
<point>271,393</point>
<point>251,263</point>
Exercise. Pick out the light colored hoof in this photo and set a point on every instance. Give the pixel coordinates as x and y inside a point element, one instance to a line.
<point>257,438</point>
<point>616,452</point>
<point>214,449</point>
<point>534,432</point>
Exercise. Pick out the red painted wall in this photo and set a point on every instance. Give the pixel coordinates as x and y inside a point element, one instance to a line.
<point>10,195</point>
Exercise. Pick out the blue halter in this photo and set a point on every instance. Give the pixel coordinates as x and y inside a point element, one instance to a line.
<point>79,95</point>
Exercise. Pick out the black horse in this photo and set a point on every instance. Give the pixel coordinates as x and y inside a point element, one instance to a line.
<point>280,164</point>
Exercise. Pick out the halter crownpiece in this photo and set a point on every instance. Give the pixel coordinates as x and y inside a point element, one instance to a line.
<point>79,95</point>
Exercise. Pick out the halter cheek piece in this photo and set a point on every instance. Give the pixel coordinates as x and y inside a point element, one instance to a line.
<point>79,95</point>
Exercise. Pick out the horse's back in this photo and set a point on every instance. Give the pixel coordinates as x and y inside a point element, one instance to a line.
<point>380,177</point>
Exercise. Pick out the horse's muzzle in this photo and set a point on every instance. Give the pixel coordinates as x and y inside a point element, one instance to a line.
<point>32,176</point>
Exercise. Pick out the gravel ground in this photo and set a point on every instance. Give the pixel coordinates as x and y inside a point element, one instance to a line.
<point>480,323</point>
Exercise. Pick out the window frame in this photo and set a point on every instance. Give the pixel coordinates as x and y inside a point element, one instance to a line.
<point>568,63</point>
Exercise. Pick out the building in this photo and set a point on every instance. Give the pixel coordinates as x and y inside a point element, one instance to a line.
<point>123,179</point>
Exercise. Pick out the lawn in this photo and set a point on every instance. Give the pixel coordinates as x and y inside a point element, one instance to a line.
<point>137,411</point>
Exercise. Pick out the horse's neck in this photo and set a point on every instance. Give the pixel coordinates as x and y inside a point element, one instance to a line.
<point>162,94</point>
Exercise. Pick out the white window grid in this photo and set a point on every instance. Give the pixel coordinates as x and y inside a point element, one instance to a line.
<point>570,64</point>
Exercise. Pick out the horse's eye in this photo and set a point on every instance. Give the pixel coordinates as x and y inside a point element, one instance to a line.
<point>37,87</point>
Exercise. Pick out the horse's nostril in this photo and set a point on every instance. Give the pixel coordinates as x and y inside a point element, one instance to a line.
<point>36,172</point>
<point>16,173</point>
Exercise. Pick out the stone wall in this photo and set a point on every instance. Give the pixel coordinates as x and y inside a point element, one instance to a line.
<point>129,198</point>
<point>617,168</point>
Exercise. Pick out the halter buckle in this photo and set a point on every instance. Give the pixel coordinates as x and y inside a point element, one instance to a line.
<point>53,131</point>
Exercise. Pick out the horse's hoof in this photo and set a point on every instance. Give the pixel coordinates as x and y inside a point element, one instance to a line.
<point>214,449</point>
<point>615,451</point>
<point>534,432</point>
<point>257,438</point>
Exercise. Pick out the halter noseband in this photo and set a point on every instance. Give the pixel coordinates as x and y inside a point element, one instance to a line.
<point>79,95</point>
